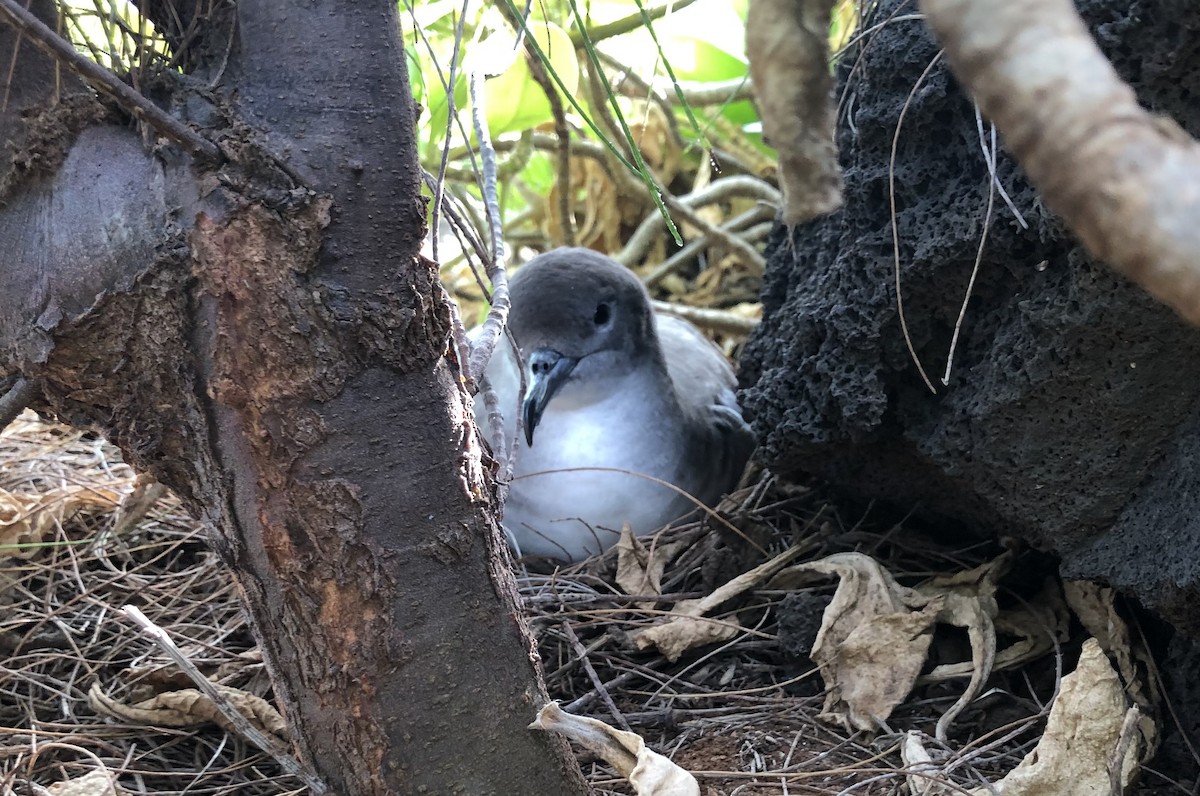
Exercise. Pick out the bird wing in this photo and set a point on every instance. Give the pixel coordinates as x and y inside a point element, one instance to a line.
<point>700,372</point>
<point>705,387</point>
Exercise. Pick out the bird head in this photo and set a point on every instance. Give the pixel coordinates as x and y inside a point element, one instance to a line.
<point>582,321</point>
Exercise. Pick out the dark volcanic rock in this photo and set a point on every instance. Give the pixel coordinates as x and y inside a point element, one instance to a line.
<point>1071,415</point>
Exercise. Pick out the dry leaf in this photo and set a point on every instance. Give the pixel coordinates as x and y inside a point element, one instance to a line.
<point>1094,606</point>
<point>916,760</point>
<point>1036,625</point>
<point>680,635</point>
<point>873,669</point>
<point>687,626</point>
<point>1088,742</point>
<point>650,773</point>
<point>190,707</point>
<point>640,568</point>
<point>969,601</point>
<point>787,42</point>
<point>28,520</point>
<point>887,622</point>
<point>594,204</point>
<point>875,634</point>
<point>93,783</point>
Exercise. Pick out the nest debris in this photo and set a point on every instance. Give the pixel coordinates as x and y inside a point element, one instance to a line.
<point>740,715</point>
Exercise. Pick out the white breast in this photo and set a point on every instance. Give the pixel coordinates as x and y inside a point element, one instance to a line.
<point>559,507</point>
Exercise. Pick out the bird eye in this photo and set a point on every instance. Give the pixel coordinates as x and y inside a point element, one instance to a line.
<point>603,313</point>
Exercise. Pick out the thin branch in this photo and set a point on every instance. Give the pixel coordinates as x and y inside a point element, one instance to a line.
<point>990,156</point>
<point>1124,180</point>
<point>912,351</point>
<point>716,191</point>
<point>693,247</point>
<point>720,92</point>
<point>440,184</point>
<point>12,403</point>
<point>626,24</point>
<point>103,80</point>
<point>706,318</point>
<point>231,714</point>
<point>582,654</point>
<point>562,133</point>
<point>497,317</point>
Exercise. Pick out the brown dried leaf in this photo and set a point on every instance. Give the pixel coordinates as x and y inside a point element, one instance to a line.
<point>870,621</point>
<point>190,707</point>
<point>678,636</point>
<point>1083,729</point>
<point>1094,606</point>
<point>1036,626</point>
<point>1087,747</point>
<point>873,669</point>
<point>689,629</point>
<point>969,601</point>
<point>640,568</point>
<point>650,773</point>
<point>787,42</point>
<point>875,634</point>
<point>28,520</point>
<point>594,205</point>
<point>93,783</point>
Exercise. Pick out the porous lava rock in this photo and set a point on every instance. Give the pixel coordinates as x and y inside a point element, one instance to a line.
<point>1071,416</point>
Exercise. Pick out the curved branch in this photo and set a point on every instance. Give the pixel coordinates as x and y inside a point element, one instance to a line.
<point>1125,181</point>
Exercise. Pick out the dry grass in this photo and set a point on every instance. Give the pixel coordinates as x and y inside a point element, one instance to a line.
<point>741,715</point>
<point>61,631</point>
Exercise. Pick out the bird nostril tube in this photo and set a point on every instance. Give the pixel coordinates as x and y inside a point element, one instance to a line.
<point>543,360</point>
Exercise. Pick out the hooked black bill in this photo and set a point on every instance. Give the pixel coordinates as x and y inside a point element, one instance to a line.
<point>550,371</point>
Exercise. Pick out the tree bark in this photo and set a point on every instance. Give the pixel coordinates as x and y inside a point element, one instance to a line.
<point>265,338</point>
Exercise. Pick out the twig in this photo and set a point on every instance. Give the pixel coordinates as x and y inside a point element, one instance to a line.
<point>717,320</point>
<point>458,337</point>
<point>626,24</point>
<point>591,696</point>
<point>748,253</point>
<point>562,133</point>
<point>983,236</point>
<point>500,447</point>
<point>497,317</point>
<point>439,186</point>
<point>989,158</point>
<point>718,93</point>
<point>102,79</point>
<point>694,246</point>
<point>716,191</point>
<point>582,654</point>
<point>912,351</point>
<point>231,714</point>
<point>22,393</point>
<point>457,215</point>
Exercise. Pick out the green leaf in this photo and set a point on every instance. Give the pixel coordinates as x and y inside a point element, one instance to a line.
<point>515,101</point>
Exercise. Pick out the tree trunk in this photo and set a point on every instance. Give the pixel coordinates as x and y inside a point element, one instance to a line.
<point>264,337</point>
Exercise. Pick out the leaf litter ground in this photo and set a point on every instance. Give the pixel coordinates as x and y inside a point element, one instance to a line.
<point>82,690</point>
